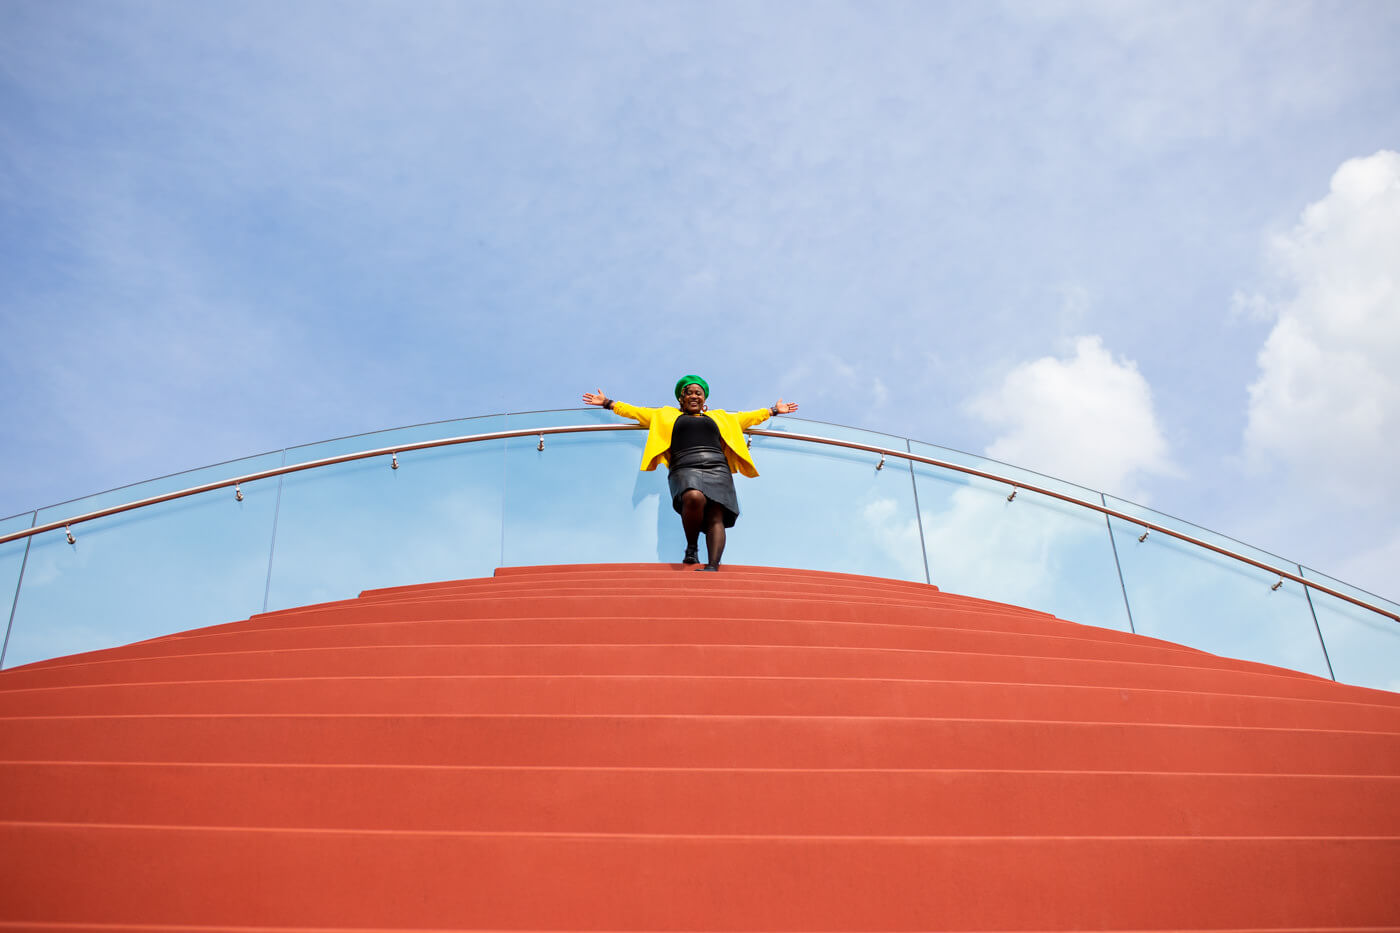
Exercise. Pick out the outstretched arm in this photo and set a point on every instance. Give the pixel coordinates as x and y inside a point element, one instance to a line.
<point>750,418</point>
<point>640,415</point>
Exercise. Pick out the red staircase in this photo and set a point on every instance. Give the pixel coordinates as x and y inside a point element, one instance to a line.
<point>641,747</point>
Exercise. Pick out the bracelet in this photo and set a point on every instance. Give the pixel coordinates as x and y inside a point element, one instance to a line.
<point>608,404</point>
<point>774,410</point>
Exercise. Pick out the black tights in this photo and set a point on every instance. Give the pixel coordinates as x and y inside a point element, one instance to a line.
<point>700,514</point>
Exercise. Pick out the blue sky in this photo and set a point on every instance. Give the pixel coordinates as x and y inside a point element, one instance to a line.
<point>1147,247</point>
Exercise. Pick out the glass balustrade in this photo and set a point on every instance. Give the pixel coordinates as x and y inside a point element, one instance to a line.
<point>459,511</point>
<point>1187,594</point>
<point>583,499</point>
<point>1028,549</point>
<point>364,525</point>
<point>1363,646</point>
<point>177,565</point>
<point>827,508</point>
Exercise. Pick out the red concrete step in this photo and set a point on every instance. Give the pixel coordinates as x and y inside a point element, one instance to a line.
<point>688,579</point>
<point>674,603</point>
<point>717,695</point>
<point>465,603</point>
<point>744,628</point>
<point>701,742</point>
<point>497,610</point>
<point>684,660</point>
<point>436,880</point>
<point>793,575</point>
<point>701,802</point>
<point>706,585</point>
<point>628,631</point>
<point>554,604</point>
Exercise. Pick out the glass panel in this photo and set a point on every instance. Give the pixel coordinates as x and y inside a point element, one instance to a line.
<point>583,499</point>
<point>1013,474</point>
<point>161,569</point>
<point>1132,509</point>
<point>11,561</point>
<point>825,508</point>
<point>1187,594</point>
<point>1033,551</point>
<point>1364,646</point>
<point>563,417</point>
<point>432,431</point>
<point>361,525</point>
<point>156,487</point>
<point>789,424</point>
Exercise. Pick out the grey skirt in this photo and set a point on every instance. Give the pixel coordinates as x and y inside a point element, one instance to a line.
<point>708,472</point>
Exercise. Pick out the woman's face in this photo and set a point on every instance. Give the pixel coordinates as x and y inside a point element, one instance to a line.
<point>692,399</point>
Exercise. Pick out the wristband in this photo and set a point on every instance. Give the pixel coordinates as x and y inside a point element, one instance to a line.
<point>608,404</point>
<point>774,410</point>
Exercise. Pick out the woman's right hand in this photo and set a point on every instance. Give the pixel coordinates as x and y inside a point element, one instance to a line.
<point>596,397</point>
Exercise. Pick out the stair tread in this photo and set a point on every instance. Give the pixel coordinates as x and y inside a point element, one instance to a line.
<point>406,880</point>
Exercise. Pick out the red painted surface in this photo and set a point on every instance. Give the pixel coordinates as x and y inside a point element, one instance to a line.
<point>643,748</point>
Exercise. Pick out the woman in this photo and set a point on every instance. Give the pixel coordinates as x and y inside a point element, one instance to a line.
<point>702,450</point>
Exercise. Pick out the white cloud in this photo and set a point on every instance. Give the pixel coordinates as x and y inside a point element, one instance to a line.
<point>1326,403</point>
<point>1088,418</point>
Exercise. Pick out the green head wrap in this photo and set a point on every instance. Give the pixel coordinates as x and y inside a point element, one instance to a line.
<point>687,380</point>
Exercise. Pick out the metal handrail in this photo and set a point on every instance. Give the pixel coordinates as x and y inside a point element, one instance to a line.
<point>394,451</point>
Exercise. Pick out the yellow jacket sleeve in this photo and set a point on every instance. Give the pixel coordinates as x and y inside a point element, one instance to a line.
<point>748,419</point>
<point>642,416</point>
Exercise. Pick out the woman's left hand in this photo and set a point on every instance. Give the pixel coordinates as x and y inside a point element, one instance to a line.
<point>784,408</point>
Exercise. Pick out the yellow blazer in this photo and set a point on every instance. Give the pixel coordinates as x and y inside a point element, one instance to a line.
<point>661,421</point>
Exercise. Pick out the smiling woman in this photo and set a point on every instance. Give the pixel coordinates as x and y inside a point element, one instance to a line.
<point>702,448</point>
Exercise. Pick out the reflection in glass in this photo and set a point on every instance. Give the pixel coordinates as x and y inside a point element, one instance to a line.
<point>165,568</point>
<point>1186,594</point>
<point>435,430</point>
<point>362,525</point>
<point>827,508</point>
<point>1033,550</point>
<point>1363,646</point>
<point>583,499</point>
<point>1013,474</point>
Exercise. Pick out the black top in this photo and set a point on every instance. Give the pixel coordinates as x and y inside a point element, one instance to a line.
<point>695,432</point>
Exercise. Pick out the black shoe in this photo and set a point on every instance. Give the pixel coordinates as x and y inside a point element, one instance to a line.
<point>691,555</point>
<point>714,568</point>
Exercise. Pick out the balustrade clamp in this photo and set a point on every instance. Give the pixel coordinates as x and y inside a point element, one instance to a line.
<point>541,447</point>
<point>881,464</point>
<point>1014,490</point>
<point>69,532</point>
<point>1277,585</point>
<point>394,460</point>
<point>1142,537</point>
<point>237,492</point>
